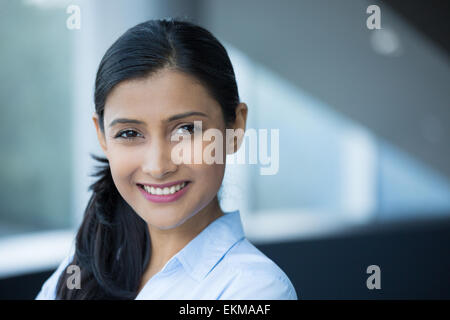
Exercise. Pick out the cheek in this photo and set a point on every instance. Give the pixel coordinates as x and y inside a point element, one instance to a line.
<point>210,176</point>
<point>122,166</point>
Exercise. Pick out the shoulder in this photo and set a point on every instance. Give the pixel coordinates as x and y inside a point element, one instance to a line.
<point>48,289</point>
<point>255,276</point>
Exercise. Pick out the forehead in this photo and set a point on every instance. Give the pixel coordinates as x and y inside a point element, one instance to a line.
<point>159,96</point>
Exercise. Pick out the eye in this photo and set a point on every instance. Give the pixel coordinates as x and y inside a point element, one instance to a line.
<point>189,128</point>
<point>127,134</point>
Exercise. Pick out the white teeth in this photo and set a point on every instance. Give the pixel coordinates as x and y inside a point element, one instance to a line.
<point>166,190</point>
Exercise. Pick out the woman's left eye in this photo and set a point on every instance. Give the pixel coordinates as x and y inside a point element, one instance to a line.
<point>190,128</point>
<point>127,134</point>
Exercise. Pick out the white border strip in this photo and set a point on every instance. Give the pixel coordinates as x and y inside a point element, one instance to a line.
<point>274,226</point>
<point>34,252</point>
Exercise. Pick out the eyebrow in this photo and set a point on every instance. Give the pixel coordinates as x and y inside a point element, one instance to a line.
<point>170,119</point>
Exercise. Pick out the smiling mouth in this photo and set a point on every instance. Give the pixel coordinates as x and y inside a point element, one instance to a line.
<point>166,191</point>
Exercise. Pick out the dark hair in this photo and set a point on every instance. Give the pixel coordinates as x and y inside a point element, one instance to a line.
<point>112,244</point>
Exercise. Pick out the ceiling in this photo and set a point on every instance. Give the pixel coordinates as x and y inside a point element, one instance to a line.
<point>431,18</point>
<point>325,48</point>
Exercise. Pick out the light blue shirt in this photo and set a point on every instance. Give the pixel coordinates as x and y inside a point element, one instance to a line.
<point>219,263</point>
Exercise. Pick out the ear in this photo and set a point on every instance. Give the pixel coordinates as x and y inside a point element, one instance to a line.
<point>239,126</point>
<point>100,135</point>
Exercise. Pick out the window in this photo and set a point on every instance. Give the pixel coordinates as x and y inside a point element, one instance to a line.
<point>36,107</point>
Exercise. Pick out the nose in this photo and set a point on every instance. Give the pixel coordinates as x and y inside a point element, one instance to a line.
<point>158,162</point>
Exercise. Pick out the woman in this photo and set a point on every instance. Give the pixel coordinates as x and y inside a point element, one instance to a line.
<point>153,228</point>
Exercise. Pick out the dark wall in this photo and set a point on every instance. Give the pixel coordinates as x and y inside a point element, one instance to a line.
<point>414,260</point>
<point>23,287</point>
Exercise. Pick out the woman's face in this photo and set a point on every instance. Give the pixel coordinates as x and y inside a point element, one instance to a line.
<point>139,151</point>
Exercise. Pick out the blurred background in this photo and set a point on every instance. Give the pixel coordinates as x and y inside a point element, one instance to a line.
<point>363,117</point>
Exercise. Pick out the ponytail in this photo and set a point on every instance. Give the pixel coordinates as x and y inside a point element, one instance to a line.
<point>112,245</point>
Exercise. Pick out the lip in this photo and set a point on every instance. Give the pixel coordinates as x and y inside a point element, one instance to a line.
<point>164,198</point>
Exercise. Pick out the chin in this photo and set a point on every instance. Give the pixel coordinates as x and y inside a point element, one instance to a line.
<point>166,224</point>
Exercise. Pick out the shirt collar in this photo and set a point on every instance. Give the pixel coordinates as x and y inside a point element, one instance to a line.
<point>203,252</point>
